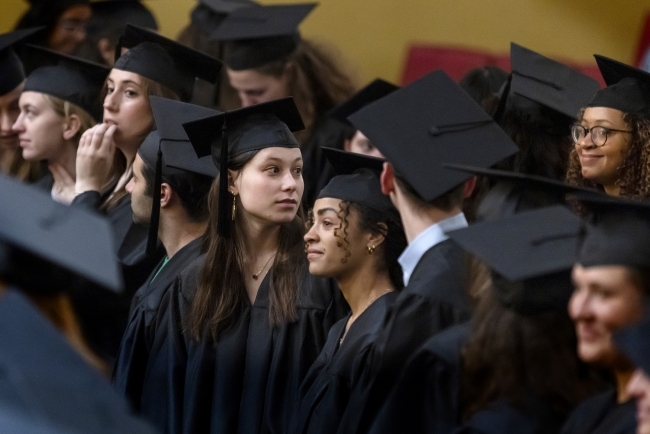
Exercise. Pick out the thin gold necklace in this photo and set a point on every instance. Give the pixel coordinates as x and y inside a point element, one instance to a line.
<point>256,275</point>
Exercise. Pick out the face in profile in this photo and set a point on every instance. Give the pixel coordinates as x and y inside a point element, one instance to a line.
<point>605,299</point>
<point>639,389</point>
<point>141,199</point>
<point>269,187</point>
<point>335,244</point>
<point>39,128</point>
<point>9,111</point>
<point>360,144</point>
<point>600,163</point>
<point>255,88</point>
<point>70,29</point>
<point>126,106</point>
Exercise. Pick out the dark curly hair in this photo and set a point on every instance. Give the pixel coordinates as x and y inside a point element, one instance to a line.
<point>634,173</point>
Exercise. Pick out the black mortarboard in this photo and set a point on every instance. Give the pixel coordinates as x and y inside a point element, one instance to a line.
<point>120,11</point>
<point>634,342</point>
<point>68,78</point>
<point>514,192</point>
<point>371,93</point>
<point>209,14</point>
<point>11,68</point>
<point>618,233</point>
<point>548,82</point>
<point>356,180</point>
<point>43,376</point>
<point>628,88</point>
<point>168,151</point>
<point>530,255</point>
<point>428,123</point>
<point>266,125</point>
<point>261,35</point>
<point>164,61</point>
<point>76,240</point>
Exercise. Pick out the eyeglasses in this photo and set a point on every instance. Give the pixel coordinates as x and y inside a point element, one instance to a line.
<point>73,26</point>
<point>599,135</point>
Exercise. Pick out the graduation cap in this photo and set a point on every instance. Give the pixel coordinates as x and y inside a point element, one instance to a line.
<point>530,255</point>
<point>618,233</point>
<point>68,78</point>
<point>376,90</point>
<point>514,192</point>
<point>356,180</point>
<point>261,35</point>
<point>634,342</point>
<point>628,88</point>
<point>164,61</point>
<point>44,377</point>
<point>69,237</point>
<point>209,14</point>
<point>547,82</point>
<point>266,125</point>
<point>167,150</point>
<point>120,11</point>
<point>428,123</point>
<point>11,68</point>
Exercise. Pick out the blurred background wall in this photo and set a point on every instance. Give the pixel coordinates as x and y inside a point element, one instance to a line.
<point>373,35</point>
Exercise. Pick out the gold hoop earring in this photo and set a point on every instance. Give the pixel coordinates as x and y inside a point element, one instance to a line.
<point>371,249</point>
<point>234,208</point>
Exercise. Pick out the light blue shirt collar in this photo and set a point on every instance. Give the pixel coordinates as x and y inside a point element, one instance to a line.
<point>434,234</point>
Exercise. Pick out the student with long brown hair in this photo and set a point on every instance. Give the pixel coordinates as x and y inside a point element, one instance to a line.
<point>153,65</point>
<point>266,58</point>
<point>245,321</point>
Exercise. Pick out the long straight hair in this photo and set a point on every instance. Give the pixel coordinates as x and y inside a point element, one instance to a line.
<point>221,292</point>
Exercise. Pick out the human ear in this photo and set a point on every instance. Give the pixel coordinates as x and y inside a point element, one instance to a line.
<point>166,194</point>
<point>71,127</point>
<point>387,179</point>
<point>232,182</point>
<point>376,238</point>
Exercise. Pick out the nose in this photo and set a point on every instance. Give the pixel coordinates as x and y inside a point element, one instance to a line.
<point>6,123</point>
<point>246,100</point>
<point>129,186</point>
<point>311,235</point>
<point>289,182</point>
<point>110,102</point>
<point>586,141</point>
<point>18,126</point>
<point>579,307</point>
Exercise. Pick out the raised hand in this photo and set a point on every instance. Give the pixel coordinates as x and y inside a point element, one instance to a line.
<point>94,158</point>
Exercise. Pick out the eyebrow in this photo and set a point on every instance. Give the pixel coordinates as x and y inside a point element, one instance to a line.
<point>124,82</point>
<point>324,210</point>
<point>281,160</point>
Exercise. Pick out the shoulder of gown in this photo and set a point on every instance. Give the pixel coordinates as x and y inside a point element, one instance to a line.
<point>603,415</point>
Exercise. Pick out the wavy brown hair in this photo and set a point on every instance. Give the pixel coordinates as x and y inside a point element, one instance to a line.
<point>320,82</point>
<point>510,355</point>
<point>634,173</point>
<point>221,292</point>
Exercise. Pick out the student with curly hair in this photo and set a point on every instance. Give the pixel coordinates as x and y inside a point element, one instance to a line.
<point>612,137</point>
<point>266,59</point>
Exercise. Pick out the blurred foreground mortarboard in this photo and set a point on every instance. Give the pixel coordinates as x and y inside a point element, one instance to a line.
<point>36,231</point>
<point>357,180</point>
<point>628,88</point>
<point>618,233</point>
<point>209,14</point>
<point>634,342</point>
<point>168,152</point>
<point>530,255</point>
<point>547,82</point>
<point>514,192</point>
<point>11,67</point>
<point>427,124</point>
<point>164,61</point>
<point>261,35</point>
<point>44,377</point>
<point>68,78</point>
<point>371,93</point>
<point>226,135</point>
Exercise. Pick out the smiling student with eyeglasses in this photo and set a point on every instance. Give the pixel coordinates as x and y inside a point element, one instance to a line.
<point>611,138</point>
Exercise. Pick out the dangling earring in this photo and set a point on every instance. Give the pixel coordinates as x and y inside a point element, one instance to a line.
<point>371,249</point>
<point>234,208</point>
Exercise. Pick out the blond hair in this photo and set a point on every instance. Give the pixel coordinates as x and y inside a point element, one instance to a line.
<point>66,110</point>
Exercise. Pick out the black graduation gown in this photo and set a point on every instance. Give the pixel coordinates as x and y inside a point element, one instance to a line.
<point>325,391</point>
<point>133,357</point>
<point>434,300</point>
<point>130,245</point>
<point>45,183</point>
<point>43,377</point>
<point>426,397</point>
<point>247,381</point>
<point>317,171</point>
<point>601,414</point>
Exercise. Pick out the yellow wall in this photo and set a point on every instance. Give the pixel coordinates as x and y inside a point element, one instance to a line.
<point>373,34</point>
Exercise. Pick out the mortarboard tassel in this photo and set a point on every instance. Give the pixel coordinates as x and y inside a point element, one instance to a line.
<point>223,221</point>
<point>501,108</point>
<point>152,241</point>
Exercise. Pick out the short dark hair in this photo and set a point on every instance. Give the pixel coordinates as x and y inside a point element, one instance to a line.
<point>446,202</point>
<point>191,188</point>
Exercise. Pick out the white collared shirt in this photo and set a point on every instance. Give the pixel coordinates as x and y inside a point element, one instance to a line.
<point>434,234</point>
